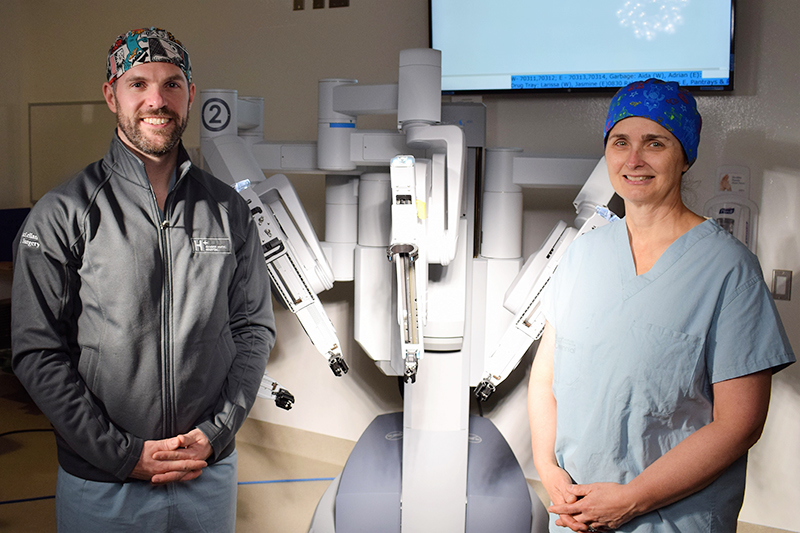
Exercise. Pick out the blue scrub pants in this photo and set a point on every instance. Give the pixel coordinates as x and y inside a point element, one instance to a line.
<point>207,503</point>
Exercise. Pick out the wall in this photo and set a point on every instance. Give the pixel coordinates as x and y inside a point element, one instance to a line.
<point>262,48</point>
<point>13,186</point>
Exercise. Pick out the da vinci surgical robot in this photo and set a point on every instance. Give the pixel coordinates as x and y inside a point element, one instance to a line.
<point>400,224</point>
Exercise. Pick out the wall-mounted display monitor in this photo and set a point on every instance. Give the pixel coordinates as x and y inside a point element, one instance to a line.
<point>581,45</point>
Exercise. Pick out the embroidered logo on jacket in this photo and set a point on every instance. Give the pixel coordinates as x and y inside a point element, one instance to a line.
<point>211,245</point>
<point>31,240</point>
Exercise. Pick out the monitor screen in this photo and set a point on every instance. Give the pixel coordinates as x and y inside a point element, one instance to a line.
<point>581,45</point>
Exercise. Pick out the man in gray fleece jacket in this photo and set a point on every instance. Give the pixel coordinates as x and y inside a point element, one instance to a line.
<point>142,315</point>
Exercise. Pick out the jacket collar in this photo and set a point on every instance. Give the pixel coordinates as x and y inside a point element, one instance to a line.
<point>128,166</point>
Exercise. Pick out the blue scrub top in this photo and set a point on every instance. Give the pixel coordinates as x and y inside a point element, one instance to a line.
<point>635,358</point>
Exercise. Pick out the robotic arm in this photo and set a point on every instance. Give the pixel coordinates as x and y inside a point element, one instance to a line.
<point>426,186</point>
<point>421,236</point>
<point>523,297</point>
<point>295,261</point>
<point>233,147</point>
<point>408,231</point>
<point>289,263</point>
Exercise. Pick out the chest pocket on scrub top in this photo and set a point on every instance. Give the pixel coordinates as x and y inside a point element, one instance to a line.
<point>666,370</point>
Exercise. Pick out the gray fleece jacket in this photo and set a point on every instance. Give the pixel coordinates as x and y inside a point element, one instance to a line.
<point>129,324</point>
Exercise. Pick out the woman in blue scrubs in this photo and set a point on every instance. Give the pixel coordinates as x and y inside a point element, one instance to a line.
<point>653,376</point>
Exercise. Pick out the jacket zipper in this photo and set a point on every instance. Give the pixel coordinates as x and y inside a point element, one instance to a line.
<point>165,241</point>
<point>168,359</point>
<point>167,385</point>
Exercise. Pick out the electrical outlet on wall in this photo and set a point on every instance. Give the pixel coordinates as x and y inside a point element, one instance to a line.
<point>339,3</point>
<point>782,284</point>
<point>318,4</point>
<point>298,5</point>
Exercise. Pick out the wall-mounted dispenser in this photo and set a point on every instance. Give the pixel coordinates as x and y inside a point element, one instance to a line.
<point>732,207</point>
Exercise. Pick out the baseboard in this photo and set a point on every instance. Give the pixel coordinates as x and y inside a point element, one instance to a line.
<point>296,441</point>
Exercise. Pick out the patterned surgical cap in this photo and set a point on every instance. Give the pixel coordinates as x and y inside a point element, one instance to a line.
<point>665,103</point>
<point>146,45</point>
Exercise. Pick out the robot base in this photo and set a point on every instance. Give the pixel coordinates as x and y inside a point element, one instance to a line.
<point>365,497</point>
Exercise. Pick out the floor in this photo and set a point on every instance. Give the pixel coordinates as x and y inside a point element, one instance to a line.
<point>279,486</point>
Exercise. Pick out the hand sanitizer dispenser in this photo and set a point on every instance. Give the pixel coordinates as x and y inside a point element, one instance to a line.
<point>732,208</point>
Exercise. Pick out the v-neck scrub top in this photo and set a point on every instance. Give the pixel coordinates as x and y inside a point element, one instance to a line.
<point>636,356</point>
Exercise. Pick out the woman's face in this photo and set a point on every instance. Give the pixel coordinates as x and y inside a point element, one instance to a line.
<point>645,162</point>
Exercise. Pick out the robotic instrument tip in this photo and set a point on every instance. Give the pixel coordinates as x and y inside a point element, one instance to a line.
<point>412,363</point>
<point>484,389</point>
<point>284,399</point>
<point>338,365</point>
